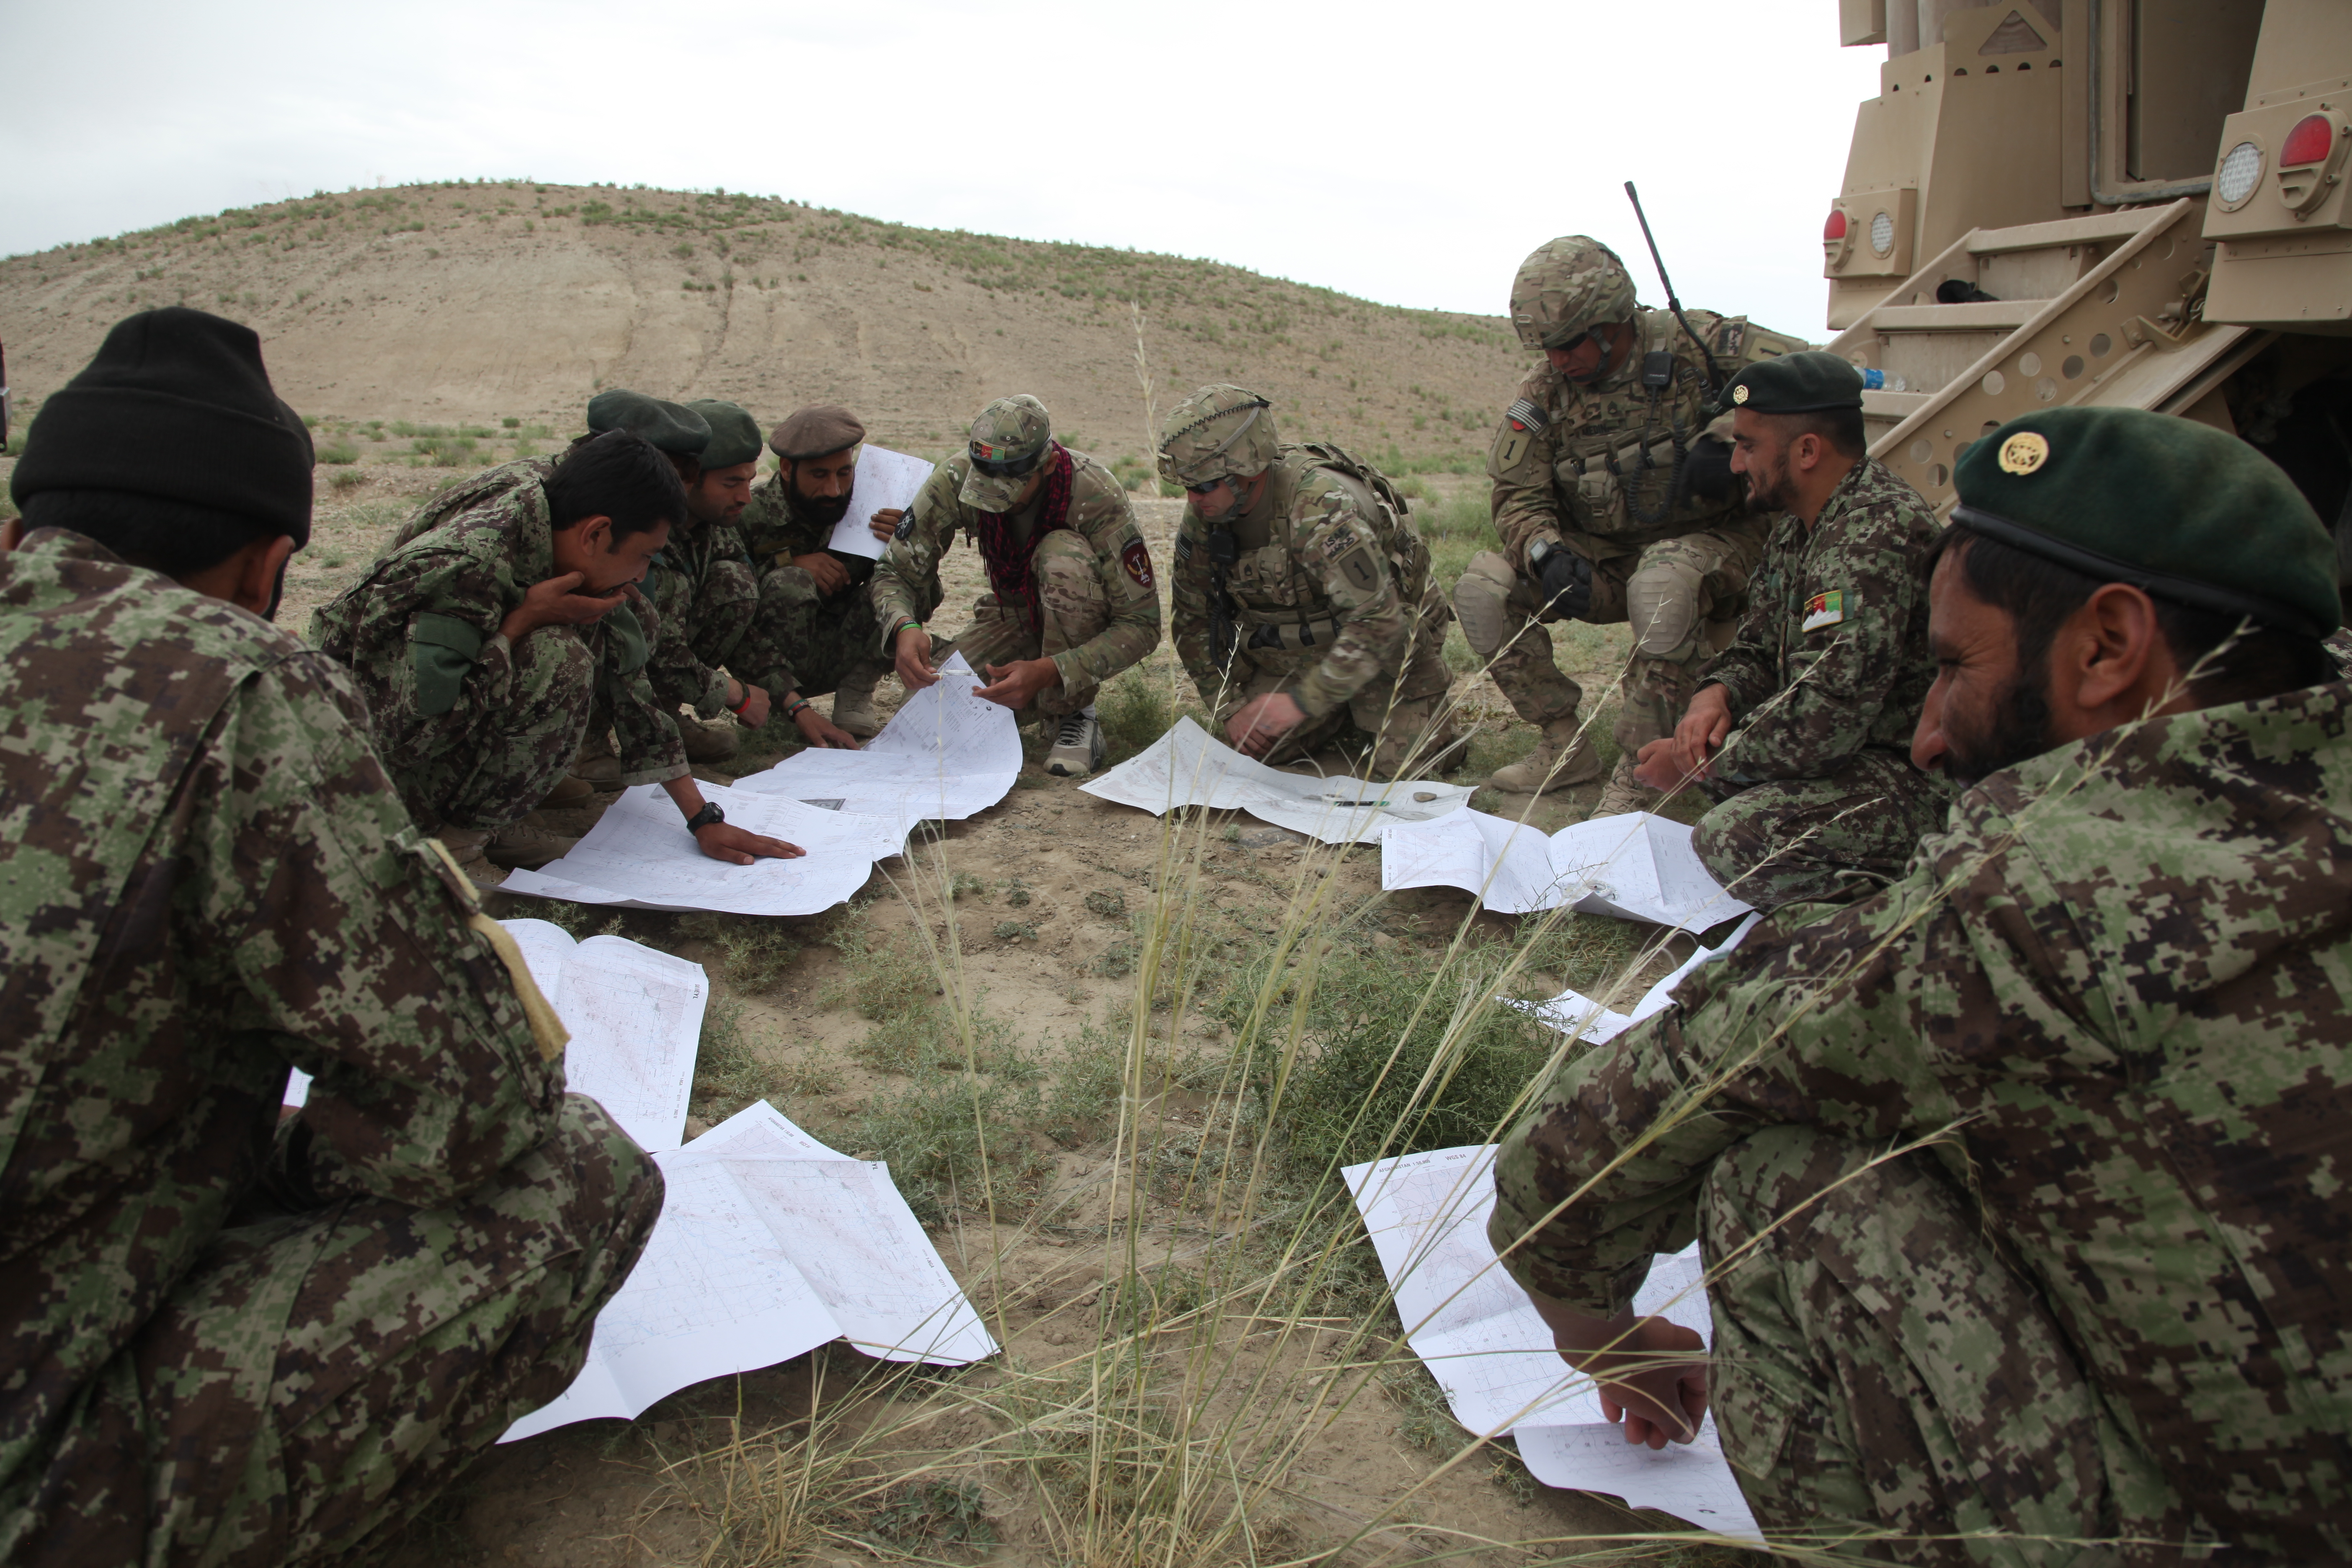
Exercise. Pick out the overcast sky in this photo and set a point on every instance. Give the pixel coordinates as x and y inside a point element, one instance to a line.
<point>1408,153</point>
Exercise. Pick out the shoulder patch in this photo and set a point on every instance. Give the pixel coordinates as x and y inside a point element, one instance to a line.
<point>905,529</point>
<point>1824,610</point>
<point>1137,560</point>
<point>1357,567</point>
<point>1525,416</point>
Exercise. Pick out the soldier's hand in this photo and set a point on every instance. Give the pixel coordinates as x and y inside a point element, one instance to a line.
<point>1567,583</point>
<point>819,731</point>
<point>750,704</point>
<point>1651,1372</point>
<point>830,575</point>
<point>1658,764</point>
<point>554,603</point>
<point>1262,723</point>
<point>740,847</point>
<point>1702,730</point>
<point>1016,685</point>
<point>884,524</point>
<point>914,658</point>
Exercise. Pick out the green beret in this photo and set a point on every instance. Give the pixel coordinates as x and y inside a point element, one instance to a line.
<point>1795,383</point>
<point>2175,508</point>
<point>672,428</point>
<point>734,434</point>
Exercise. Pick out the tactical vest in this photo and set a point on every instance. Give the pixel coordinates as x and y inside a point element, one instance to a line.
<point>1279,600</point>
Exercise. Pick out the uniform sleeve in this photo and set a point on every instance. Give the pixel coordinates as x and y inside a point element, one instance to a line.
<point>1188,601</point>
<point>1855,603</point>
<point>1525,501</point>
<point>1337,544</point>
<point>1749,668</point>
<point>1823,1025</point>
<point>675,673</point>
<point>308,884</point>
<point>912,559</point>
<point>644,726</point>
<point>1123,567</point>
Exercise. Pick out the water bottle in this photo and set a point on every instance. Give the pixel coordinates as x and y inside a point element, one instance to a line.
<point>1879,380</point>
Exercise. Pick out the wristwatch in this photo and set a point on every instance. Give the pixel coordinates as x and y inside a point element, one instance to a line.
<point>705,817</point>
<point>1536,552</point>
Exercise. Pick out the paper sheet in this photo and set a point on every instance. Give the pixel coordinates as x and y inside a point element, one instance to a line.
<point>635,1019</point>
<point>1482,1340</point>
<point>945,755</point>
<point>1635,866</point>
<point>1187,766</point>
<point>769,1245</point>
<point>885,479</point>
<point>1574,1013</point>
<point>640,856</point>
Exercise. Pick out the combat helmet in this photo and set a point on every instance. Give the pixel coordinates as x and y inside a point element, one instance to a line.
<point>1567,286</point>
<point>1009,439</point>
<point>1220,432</point>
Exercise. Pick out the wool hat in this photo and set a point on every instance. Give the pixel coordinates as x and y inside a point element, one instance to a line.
<point>177,404</point>
<point>672,428</point>
<point>1794,383</point>
<point>816,431</point>
<point>2175,508</point>
<point>734,434</point>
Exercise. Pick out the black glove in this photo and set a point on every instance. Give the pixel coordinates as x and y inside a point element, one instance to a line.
<point>1707,474</point>
<point>1567,579</point>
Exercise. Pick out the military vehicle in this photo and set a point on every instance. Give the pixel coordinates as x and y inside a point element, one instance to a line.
<point>2140,203</point>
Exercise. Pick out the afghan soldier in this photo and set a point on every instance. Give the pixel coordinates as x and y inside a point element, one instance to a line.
<point>677,430</point>
<point>705,591</point>
<point>817,631</point>
<point>1612,504</point>
<point>480,645</point>
<point>1303,603</point>
<point>1071,600</point>
<point>226,1338</point>
<point>1801,728</point>
<point>2021,1183</point>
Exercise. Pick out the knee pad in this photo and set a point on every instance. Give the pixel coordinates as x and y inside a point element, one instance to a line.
<point>1662,603</point>
<point>1481,603</point>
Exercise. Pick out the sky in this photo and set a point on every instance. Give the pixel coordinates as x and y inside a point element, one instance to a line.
<point>1407,153</point>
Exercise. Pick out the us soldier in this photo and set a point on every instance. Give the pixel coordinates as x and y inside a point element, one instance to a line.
<point>1801,728</point>
<point>816,627</point>
<point>1071,598</point>
<point>1611,504</point>
<point>480,645</point>
<point>2019,1184</point>
<point>1302,595</point>
<point>226,1338</point>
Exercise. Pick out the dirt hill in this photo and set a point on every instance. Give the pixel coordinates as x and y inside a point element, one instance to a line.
<point>465,304</point>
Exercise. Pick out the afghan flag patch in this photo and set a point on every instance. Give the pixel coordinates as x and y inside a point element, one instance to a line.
<point>1824,610</point>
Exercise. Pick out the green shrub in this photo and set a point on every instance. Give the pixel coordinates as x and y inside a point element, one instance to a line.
<point>340,454</point>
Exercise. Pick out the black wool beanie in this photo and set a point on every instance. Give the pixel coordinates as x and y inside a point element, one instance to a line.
<point>176,405</point>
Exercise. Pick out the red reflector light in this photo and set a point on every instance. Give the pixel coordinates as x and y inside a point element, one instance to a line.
<point>1835,228</point>
<point>2309,142</point>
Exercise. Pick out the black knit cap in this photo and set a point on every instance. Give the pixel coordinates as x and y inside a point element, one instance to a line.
<point>176,404</point>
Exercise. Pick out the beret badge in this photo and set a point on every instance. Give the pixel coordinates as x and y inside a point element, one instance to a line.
<point>2024,452</point>
<point>1740,392</point>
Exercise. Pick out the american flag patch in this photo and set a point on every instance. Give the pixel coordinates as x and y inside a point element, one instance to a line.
<point>1526,416</point>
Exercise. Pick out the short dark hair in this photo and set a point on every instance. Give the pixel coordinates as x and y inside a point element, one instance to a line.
<point>176,538</point>
<point>2039,595</point>
<point>1841,427</point>
<point>619,475</point>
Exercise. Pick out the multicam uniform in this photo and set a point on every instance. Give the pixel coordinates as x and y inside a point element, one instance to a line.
<point>1097,604</point>
<point>475,729</point>
<point>804,640</point>
<point>224,1338</point>
<point>2109,1301</point>
<point>1826,678</point>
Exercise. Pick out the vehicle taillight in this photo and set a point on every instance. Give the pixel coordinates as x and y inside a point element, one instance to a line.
<point>1835,228</point>
<point>2309,141</point>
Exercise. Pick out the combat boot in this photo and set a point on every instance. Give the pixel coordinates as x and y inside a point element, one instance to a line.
<point>466,845</point>
<point>570,794</point>
<point>853,700</point>
<point>712,742</point>
<point>1625,793</point>
<point>1077,747</point>
<point>1542,771</point>
<point>599,761</point>
<point>517,846</point>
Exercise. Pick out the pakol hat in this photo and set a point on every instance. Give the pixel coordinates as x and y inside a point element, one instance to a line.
<point>816,431</point>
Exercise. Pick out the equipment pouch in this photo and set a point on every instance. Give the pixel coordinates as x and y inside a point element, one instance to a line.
<point>443,649</point>
<point>1599,501</point>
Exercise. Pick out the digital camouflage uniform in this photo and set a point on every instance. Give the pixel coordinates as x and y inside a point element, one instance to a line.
<point>803,640</point>
<point>1097,602</point>
<point>2109,1302</point>
<point>466,494</point>
<point>224,1337</point>
<point>475,729</point>
<point>708,597</point>
<point>1818,798</point>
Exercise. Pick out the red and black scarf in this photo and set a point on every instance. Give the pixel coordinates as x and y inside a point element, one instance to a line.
<point>1007,560</point>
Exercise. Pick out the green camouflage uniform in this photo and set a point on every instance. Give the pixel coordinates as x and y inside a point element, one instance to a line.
<point>1826,678</point>
<point>466,494</point>
<point>223,1338</point>
<point>2110,1300</point>
<point>1585,465</point>
<point>803,640</point>
<point>703,587</point>
<point>474,730</point>
<point>1332,603</point>
<point>1098,603</point>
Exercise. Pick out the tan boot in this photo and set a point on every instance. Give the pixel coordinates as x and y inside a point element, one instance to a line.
<point>853,700</point>
<point>599,761</point>
<point>570,794</point>
<point>1625,793</point>
<point>466,845</point>
<point>528,847</point>
<point>1544,769</point>
<point>712,742</point>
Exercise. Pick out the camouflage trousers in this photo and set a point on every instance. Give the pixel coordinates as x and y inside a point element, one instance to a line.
<point>1407,721</point>
<point>1072,610</point>
<point>519,755</point>
<point>317,1378</point>
<point>1828,840</point>
<point>808,642</point>
<point>1682,595</point>
<point>1879,1371</point>
<point>702,625</point>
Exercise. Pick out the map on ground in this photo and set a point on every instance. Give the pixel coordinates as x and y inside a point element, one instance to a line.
<point>1634,866</point>
<point>1187,766</point>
